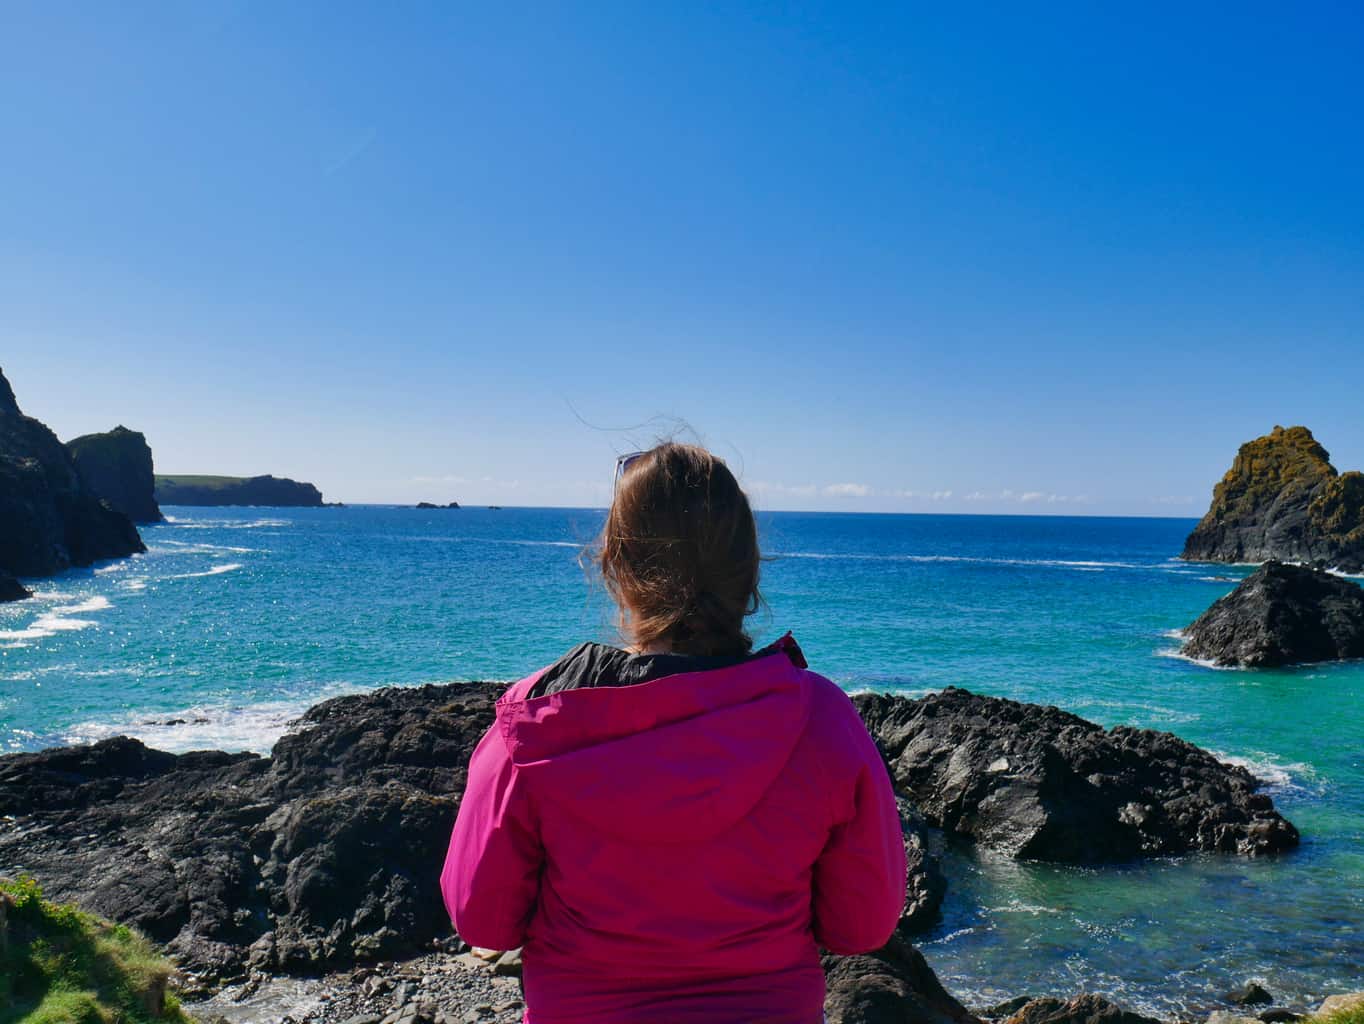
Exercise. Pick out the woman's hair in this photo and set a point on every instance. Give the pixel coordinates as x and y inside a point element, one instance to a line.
<point>679,553</point>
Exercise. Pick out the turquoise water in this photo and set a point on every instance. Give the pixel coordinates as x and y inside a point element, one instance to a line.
<point>235,620</point>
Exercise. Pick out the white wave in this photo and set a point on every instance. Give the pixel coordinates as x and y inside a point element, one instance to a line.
<point>1178,655</point>
<point>1053,563</point>
<point>189,547</point>
<point>1173,634</point>
<point>140,583</point>
<point>58,620</point>
<point>232,524</point>
<point>217,570</point>
<point>1276,774</point>
<point>231,727</point>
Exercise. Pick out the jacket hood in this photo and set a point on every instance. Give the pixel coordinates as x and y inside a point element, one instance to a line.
<point>679,758</point>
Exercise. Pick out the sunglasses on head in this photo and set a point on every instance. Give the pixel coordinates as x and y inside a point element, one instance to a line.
<point>624,462</point>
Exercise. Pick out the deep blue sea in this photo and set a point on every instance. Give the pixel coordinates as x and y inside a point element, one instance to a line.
<point>236,620</point>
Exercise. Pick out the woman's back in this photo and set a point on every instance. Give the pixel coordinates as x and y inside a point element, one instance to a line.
<point>673,850</point>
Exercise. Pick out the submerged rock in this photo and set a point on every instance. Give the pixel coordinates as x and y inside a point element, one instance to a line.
<point>1282,499</point>
<point>265,490</point>
<point>1281,615</point>
<point>50,519</point>
<point>118,467</point>
<point>1250,994</point>
<point>1038,783</point>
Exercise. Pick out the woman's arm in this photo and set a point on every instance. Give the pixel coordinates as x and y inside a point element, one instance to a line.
<point>859,879</point>
<point>491,878</point>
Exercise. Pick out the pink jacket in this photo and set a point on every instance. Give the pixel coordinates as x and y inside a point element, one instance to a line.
<point>674,851</point>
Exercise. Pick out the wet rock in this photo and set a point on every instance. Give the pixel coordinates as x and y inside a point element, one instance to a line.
<point>1279,1015</point>
<point>1074,792</point>
<point>894,985</point>
<point>11,589</point>
<point>925,884</point>
<point>1005,1009</point>
<point>1083,1009</point>
<point>1281,615</point>
<point>1250,994</point>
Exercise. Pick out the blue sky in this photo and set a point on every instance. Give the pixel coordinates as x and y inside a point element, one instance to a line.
<point>899,258</point>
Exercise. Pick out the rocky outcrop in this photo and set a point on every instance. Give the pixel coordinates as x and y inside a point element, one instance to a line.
<point>1082,1009</point>
<point>1038,783</point>
<point>50,519</point>
<point>1282,499</point>
<point>118,467</point>
<point>894,985</point>
<point>265,490</point>
<point>1281,615</point>
<point>430,505</point>
<point>325,853</point>
<point>11,589</point>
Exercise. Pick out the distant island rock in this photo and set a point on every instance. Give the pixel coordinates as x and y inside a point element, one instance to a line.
<point>427,504</point>
<point>237,490</point>
<point>1281,615</point>
<point>118,466</point>
<point>1282,499</point>
<point>50,518</point>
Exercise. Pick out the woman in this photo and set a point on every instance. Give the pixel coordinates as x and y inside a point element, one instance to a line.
<point>672,830</point>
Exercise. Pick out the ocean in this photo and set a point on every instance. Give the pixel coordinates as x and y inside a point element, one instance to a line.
<point>237,619</point>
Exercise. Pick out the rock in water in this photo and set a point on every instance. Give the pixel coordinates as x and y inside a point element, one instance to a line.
<point>11,589</point>
<point>1281,615</point>
<point>50,519</point>
<point>1282,499</point>
<point>118,467</point>
<point>1083,1009</point>
<point>1037,783</point>
<point>270,491</point>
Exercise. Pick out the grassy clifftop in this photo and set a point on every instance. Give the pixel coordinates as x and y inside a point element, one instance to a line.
<point>60,965</point>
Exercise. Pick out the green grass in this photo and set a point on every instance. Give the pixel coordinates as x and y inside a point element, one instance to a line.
<point>60,965</point>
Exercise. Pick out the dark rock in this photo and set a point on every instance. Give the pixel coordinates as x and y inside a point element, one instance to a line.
<point>50,519</point>
<point>894,985</point>
<point>1083,1009</point>
<point>326,853</point>
<point>1037,783</point>
<point>925,886</point>
<point>1281,615</point>
<point>1279,1015</point>
<point>1250,994</point>
<point>1282,499</point>
<point>1005,1009</point>
<point>429,505</point>
<point>235,490</point>
<point>11,589</point>
<point>118,467</point>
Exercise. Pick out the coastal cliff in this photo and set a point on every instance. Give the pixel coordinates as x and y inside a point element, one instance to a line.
<point>118,467</point>
<point>1282,499</point>
<point>234,490</point>
<point>50,518</point>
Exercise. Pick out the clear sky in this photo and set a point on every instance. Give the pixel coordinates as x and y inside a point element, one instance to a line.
<point>937,257</point>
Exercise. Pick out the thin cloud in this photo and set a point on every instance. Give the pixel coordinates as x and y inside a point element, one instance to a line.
<point>847,490</point>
